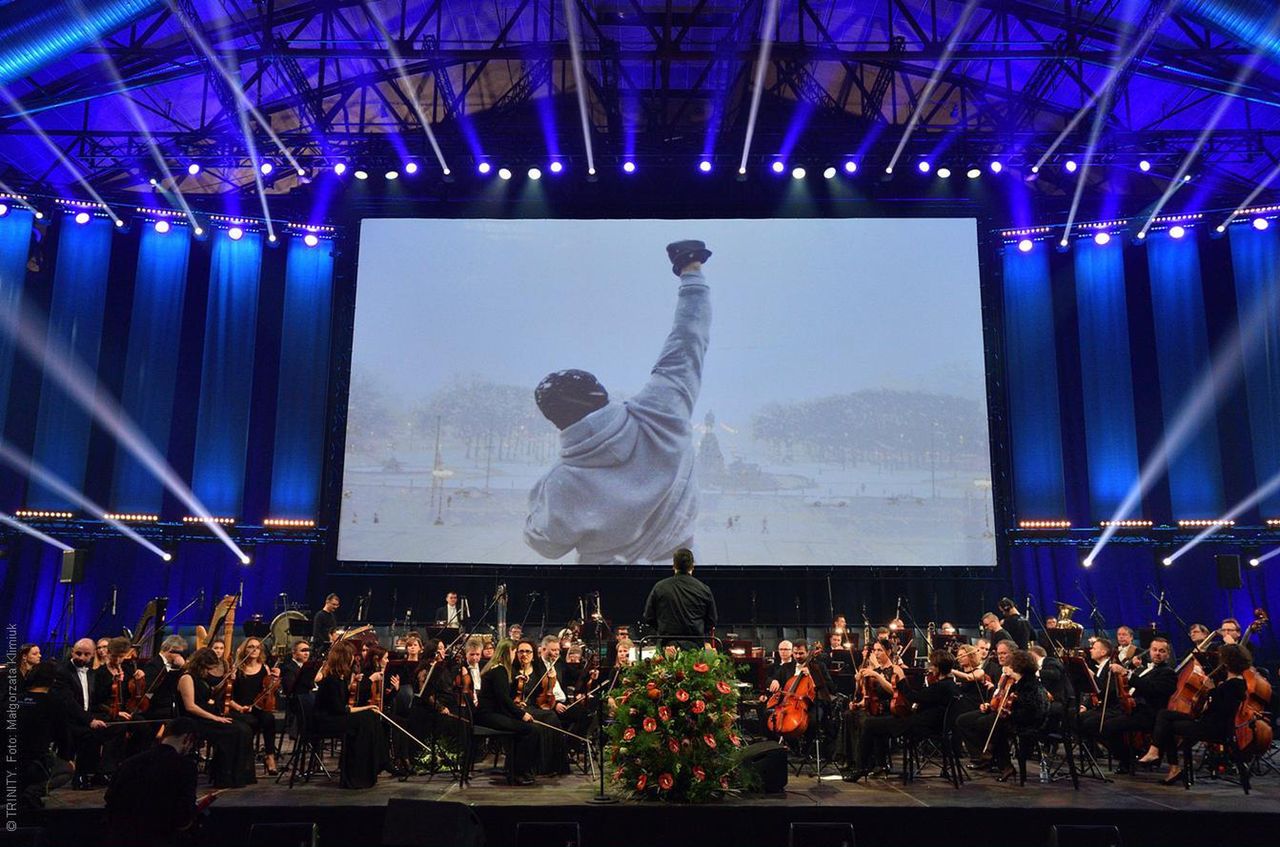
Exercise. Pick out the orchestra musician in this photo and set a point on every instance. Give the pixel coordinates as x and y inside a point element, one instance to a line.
<point>1104,707</point>
<point>324,622</point>
<point>1029,702</point>
<point>1217,721</point>
<point>162,672</point>
<point>1126,649</point>
<point>450,614</point>
<point>988,660</point>
<point>995,629</point>
<point>497,709</point>
<point>1152,685</point>
<point>111,693</point>
<point>544,699</point>
<point>28,658</point>
<point>248,698</point>
<point>75,688</point>
<point>1014,623</point>
<point>928,710</point>
<point>1057,684</point>
<point>42,730</point>
<point>100,652</point>
<point>971,680</point>
<point>291,670</point>
<point>823,689</point>
<point>873,686</point>
<point>974,726</point>
<point>232,741</point>
<point>364,747</point>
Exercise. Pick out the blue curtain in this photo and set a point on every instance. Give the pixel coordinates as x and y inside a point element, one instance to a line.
<point>151,363</point>
<point>15,242</point>
<point>1031,363</point>
<point>75,323</point>
<point>226,384</point>
<point>304,381</point>
<point>1106,375</point>
<point>1182,349</point>
<point>1255,257</point>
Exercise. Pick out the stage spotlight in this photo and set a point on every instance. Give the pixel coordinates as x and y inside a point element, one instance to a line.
<point>1144,166</point>
<point>153,182</point>
<point>996,166</point>
<point>266,168</point>
<point>1261,223</point>
<point>944,173</point>
<point>483,168</point>
<point>777,167</point>
<point>163,227</point>
<point>1072,167</point>
<point>119,223</point>
<point>1086,557</point>
<point>705,166</point>
<point>193,169</point>
<point>1253,563</point>
<point>1102,239</point>
<point>1186,177</point>
<point>361,174</point>
<point>1176,232</point>
<point>535,174</point>
<point>629,167</point>
<point>974,173</point>
<point>1167,561</point>
<point>392,175</point>
<point>82,217</point>
<point>235,233</point>
<point>411,168</point>
<point>340,168</point>
<point>504,173</point>
<point>1035,169</point>
<point>888,171</point>
<point>4,210</point>
<point>1026,245</point>
<point>798,173</point>
<point>310,239</point>
<point>271,238</point>
<point>556,167</point>
<point>850,167</point>
<point>1220,229</point>
<point>591,171</point>
<point>829,173</point>
<point>924,167</point>
<point>1063,246</point>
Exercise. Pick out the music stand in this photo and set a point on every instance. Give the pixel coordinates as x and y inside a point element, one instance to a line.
<point>1085,684</point>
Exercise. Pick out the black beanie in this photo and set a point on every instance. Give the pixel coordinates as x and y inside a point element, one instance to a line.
<point>566,397</point>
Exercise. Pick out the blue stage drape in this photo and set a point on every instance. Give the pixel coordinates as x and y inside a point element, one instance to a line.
<point>304,382</point>
<point>226,384</point>
<point>15,243</point>
<point>75,323</point>
<point>1106,375</point>
<point>1182,350</point>
<point>151,364</point>
<point>1256,259</point>
<point>1032,373</point>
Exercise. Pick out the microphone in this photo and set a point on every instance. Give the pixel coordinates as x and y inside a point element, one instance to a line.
<point>533,595</point>
<point>202,598</point>
<point>1160,606</point>
<point>897,608</point>
<point>113,601</point>
<point>1027,608</point>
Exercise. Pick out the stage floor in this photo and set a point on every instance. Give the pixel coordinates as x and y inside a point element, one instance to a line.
<point>886,811</point>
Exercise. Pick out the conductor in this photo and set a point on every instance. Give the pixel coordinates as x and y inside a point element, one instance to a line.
<point>681,608</point>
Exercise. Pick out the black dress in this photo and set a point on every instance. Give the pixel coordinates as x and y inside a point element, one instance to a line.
<point>1216,724</point>
<point>497,710</point>
<point>232,765</point>
<point>245,690</point>
<point>364,746</point>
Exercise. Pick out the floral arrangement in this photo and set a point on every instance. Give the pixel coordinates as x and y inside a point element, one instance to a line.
<point>673,737</point>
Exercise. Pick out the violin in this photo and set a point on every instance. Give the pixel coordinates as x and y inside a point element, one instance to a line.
<point>899,705</point>
<point>789,706</point>
<point>139,694</point>
<point>115,706</point>
<point>1004,697</point>
<point>266,699</point>
<point>546,698</point>
<point>518,697</point>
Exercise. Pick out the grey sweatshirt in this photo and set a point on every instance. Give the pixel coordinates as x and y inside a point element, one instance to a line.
<point>623,490</point>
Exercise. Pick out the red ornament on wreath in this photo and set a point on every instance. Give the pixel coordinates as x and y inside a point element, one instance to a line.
<point>673,746</point>
<point>664,713</point>
<point>630,734</point>
<point>698,773</point>
<point>723,687</point>
<point>702,667</point>
<point>682,695</point>
<point>698,707</point>
<point>665,781</point>
<point>710,740</point>
<point>641,782</point>
<point>650,724</point>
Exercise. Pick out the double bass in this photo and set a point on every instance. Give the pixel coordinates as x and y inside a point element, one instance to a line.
<point>788,707</point>
<point>1253,730</point>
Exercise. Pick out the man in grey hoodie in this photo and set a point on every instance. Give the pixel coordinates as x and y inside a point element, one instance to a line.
<point>623,489</point>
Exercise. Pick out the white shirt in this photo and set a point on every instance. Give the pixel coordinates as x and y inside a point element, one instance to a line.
<point>82,674</point>
<point>452,616</point>
<point>475,683</point>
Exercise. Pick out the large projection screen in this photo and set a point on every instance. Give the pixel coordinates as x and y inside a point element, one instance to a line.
<point>817,397</point>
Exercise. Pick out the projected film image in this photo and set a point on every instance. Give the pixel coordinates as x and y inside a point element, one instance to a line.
<point>537,391</point>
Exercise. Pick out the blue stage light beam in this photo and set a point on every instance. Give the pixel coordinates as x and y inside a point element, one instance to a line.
<point>1225,102</point>
<point>1253,195</point>
<point>10,521</point>
<point>57,152</point>
<point>1264,491</point>
<point>233,83</point>
<point>1260,559</point>
<point>32,469</point>
<point>30,335</point>
<point>398,62</point>
<point>762,64</point>
<point>1217,380</point>
<point>934,78</point>
<point>15,197</point>
<point>579,80</point>
<point>257,175</point>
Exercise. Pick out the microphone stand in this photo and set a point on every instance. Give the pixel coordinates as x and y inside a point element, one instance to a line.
<point>905,609</point>
<point>1033,616</point>
<point>1099,622</point>
<point>601,798</point>
<point>1168,608</point>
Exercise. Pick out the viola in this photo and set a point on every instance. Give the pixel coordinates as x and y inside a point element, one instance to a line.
<point>789,706</point>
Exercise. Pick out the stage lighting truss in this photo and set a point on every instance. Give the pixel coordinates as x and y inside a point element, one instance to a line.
<point>1201,523</point>
<point>129,517</point>
<point>1130,523</point>
<point>1044,524</point>
<point>1273,523</point>
<point>195,519</point>
<point>43,515</point>
<point>289,523</point>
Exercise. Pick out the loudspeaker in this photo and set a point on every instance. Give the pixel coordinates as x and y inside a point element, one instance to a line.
<point>426,823</point>
<point>1228,570</point>
<point>1061,835</point>
<point>548,834</point>
<point>768,759</point>
<point>284,835</point>
<point>73,567</point>
<point>820,835</point>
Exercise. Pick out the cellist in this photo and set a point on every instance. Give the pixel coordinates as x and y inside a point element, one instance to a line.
<point>821,709</point>
<point>1215,723</point>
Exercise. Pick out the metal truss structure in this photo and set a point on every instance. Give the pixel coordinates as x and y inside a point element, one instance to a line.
<point>666,79</point>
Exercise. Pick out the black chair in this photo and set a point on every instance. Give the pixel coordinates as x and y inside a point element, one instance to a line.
<point>475,734</point>
<point>307,749</point>
<point>944,741</point>
<point>1045,738</point>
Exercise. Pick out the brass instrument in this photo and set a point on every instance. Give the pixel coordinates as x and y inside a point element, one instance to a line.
<point>1063,616</point>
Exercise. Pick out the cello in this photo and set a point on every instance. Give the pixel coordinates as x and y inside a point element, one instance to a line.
<point>1194,684</point>
<point>1253,730</point>
<point>788,707</point>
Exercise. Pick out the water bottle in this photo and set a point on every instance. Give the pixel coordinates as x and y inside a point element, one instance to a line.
<point>1044,769</point>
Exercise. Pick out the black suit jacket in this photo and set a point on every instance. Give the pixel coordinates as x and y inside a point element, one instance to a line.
<point>442,613</point>
<point>1018,629</point>
<point>67,688</point>
<point>783,672</point>
<point>1153,690</point>
<point>1053,676</point>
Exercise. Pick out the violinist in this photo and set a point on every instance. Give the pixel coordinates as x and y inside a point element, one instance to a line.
<point>1023,707</point>
<point>1151,688</point>
<point>543,700</point>
<point>988,659</point>
<point>219,648</point>
<point>41,729</point>
<point>112,679</point>
<point>928,709</point>
<point>487,648</point>
<point>250,693</point>
<point>873,687</point>
<point>1104,706</point>
<point>232,741</point>
<point>903,641</point>
<point>364,747</point>
<point>1217,723</point>
<point>100,652</point>
<point>973,726</point>
<point>497,709</point>
<point>970,678</point>
<point>28,658</point>
<point>621,662</point>
<point>162,673</point>
<point>1126,649</point>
